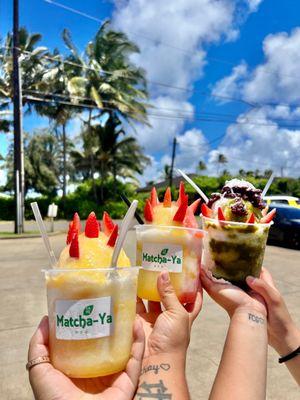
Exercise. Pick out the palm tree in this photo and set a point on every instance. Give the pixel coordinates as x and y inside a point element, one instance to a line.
<point>221,160</point>
<point>166,172</point>
<point>202,166</point>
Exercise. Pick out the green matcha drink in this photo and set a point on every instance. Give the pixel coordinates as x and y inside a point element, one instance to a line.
<point>237,229</point>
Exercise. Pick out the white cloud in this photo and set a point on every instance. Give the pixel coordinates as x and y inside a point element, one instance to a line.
<point>253,4</point>
<point>231,85</point>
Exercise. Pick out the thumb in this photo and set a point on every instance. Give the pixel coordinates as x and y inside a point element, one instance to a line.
<point>166,292</point>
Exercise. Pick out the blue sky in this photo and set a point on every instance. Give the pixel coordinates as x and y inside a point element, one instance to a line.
<point>223,48</point>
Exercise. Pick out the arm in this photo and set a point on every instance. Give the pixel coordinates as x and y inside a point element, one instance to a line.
<point>242,370</point>
<point>283,334</point>
<point>243,367</point>
<point>167,339</point>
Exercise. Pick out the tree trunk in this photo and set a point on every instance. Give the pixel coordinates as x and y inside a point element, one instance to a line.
<point>102,182</point>
<point>64,160</point>
<point>92,158</point>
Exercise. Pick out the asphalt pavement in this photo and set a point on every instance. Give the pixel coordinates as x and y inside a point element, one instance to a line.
<point>23,303</point>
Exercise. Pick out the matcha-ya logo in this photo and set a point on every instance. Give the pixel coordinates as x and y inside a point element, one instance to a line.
<point>162,258</point>
<point>83,320</point>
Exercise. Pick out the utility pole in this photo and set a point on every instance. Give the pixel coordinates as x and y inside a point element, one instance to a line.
<point>18,133</point>
<point>173,160</point>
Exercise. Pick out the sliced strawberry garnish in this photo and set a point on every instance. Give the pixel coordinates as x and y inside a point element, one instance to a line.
<point>153,197</point>
<point>251,219</point>
<point>113,236</point>
<point>180,213</point>
<point>181,193</point>
<point>148,211</point>
<point>168,198</point>
<point>76,222</point>
<point>206,211</point>
<point>195,205</point>
<point>221,216</point>
<point>268,218</point>
<point>74,247</point>
<point>92,226</point>
<point>189,219</point>
<point>265,210</point>
<point>71,232</point>
<point>108,224</point>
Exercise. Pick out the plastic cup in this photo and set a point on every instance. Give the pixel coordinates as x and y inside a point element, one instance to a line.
<point>234,250</point>
<point>91,315</point>
<point>176,249</point>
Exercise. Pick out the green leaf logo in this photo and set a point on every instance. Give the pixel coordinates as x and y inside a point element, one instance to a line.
<point>88,310</point>
<point>164,252</point>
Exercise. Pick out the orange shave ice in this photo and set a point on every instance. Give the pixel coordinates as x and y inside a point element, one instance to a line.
<point>91,307</point>
<point>170,240</point>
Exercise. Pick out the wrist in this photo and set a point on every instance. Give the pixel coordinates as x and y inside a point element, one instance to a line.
<point>250,311</point>
<point>164,361</point>
<point>288,341</point>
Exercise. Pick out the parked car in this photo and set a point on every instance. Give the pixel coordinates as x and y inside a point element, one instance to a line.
<point>288,200</point>
<point>286,227</point>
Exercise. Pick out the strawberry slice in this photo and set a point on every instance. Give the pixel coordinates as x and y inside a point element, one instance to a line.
<point>108,224</point>
<point>153,197</point>
<point>189,219</point>
<point>206,211</point>
<point>92,226</point>
<point>71,232</point>
<point>265,210</point>
<point>148,211</point>
<point>251,219</point>
<point>76,222</point>
<point>194,205</point>
<point>168,198</point>
<point>221,216</point>
<point>268,218</point>
<point>113,236</point>
<point>180,213</point>
<point>181,193</point>
<point>74,247</point>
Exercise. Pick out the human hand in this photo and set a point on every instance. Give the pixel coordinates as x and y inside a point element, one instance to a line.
<point>283,334</point>
<point>48,383</point>
<point>168,331</point>
<point>232,298</point>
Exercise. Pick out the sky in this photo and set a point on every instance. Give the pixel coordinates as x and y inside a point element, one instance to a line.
<point>227,72</point>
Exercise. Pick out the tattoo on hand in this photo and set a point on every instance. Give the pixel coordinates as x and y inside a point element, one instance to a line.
<point>155,368</point>
<point>255,318</point>
<point>156,391</point>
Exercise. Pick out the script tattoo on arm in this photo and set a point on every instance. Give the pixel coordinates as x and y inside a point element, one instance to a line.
<point>256,319</point>
<point>155,368</point>
<point>156,391</point>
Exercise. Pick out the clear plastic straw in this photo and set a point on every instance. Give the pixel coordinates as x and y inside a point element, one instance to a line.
<point>193,184</point>
<point>123,231</point>
<point>43,232</point>
<point>268,184</point>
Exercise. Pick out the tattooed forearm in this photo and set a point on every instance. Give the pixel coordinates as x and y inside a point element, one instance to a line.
<point>255,318</point>
<point>155,368</point>
<point>156,391</point>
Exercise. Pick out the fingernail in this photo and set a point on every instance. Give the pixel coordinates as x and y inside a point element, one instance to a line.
<point>250,279</point>
<point>165,276</point>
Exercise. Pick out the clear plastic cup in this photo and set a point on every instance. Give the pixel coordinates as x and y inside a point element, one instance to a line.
<point>176,249</point>
<point>91,315</point>
<point>234,250</point>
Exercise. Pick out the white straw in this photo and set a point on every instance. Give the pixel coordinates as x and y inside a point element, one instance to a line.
<point>43,232</point>
<point>123,231</point>
<point>269,183</point>
<point>193,184</point>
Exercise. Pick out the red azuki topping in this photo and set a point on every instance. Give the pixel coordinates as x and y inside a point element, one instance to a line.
<point>251,220</point>
<point>268,218</point>
<point>180,213</point>
<point>206,211</point>
<point>148,211</point>
<point>113,236</point>
<point>108,224</point>
<point>221,216</point>
<point>168,198</point>
<point>92,226</point>
<point>153,197</point>
<point>74,247</point>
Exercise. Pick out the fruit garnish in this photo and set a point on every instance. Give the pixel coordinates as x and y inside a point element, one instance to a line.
<point>148,211</point>
<point>70,234</point>
<point>206,211</point>
<point>74,247</point>
<point>168,198</point>
<point>92,226</point>
<point>180,213</point>
<point>221,216</point>
<point>181,193</point>
<point>194,205</point>
<point>76,222</point>
<point>251,220</point>
<point>113,236</point>
<point>268,218</point>
<point>108,224</point>
<point>265,210</point>
<point>190,220</point>
<point>153,197</point>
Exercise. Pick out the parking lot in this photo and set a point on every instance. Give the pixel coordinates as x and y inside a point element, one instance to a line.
<point>23,303</point>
